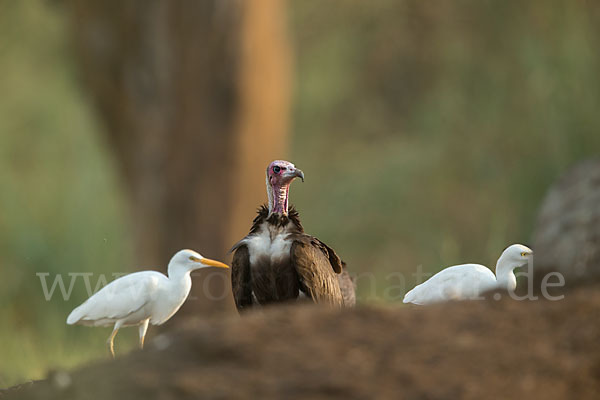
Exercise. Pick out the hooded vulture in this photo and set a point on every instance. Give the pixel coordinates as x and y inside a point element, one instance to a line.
<point>278,262</point>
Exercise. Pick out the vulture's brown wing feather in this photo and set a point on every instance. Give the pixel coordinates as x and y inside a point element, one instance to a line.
<point>241,280</point>
<point>318,278</point>
<point>347,286</point>
<point>334,259</point>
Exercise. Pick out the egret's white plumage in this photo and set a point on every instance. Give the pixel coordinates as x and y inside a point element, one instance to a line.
<point>142,298</point>
<point>470,281</point>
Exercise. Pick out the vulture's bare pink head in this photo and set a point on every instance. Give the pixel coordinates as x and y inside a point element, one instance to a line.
<point>280,175</point>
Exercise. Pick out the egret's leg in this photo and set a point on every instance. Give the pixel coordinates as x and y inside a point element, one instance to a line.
<point>143,328</point>
<point>111,339</point>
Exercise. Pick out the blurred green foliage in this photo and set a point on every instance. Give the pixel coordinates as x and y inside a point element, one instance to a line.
<point>61,206</point>
<point>429,132</point>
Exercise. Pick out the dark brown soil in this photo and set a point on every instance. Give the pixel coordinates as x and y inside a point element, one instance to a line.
<point>478,350</point>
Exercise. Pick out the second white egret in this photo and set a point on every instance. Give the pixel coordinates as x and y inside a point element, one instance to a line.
<point>470,281</point>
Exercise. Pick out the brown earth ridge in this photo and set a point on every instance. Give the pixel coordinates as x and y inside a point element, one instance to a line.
<point>469,350</point>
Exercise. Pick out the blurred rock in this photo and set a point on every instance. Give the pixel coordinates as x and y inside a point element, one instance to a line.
<point>567,233</point>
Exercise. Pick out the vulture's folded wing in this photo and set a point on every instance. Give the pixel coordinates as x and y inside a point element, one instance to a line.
<point>318,276</point>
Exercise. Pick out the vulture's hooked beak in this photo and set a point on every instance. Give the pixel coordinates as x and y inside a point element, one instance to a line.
<point>298,173</point>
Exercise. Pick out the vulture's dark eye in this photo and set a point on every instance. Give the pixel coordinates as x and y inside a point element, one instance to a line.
<point>276,169</point>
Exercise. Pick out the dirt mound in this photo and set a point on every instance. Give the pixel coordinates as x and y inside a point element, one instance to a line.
<point>477,350</point>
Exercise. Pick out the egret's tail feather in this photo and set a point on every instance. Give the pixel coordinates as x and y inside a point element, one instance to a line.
<point>411,296</point>
<point>74,317</point>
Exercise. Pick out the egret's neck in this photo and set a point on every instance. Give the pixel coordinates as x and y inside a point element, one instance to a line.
<point>505,274</point>
<point>180,278</point>
<point>173,294</point>
<point>278,198</point>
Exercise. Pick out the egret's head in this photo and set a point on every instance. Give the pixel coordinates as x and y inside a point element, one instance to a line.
<point>282,173</point>
<point>189,260</point>
<point>517,254</point>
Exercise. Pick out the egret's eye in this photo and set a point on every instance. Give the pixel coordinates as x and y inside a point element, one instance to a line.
<point>276,169</point>
<point>523,254</point>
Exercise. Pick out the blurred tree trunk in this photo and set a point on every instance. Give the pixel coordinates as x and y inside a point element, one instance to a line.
<point>195,97</point>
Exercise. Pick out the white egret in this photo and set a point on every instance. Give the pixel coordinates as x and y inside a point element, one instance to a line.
<point>470,281</point>
<point>141,298</point>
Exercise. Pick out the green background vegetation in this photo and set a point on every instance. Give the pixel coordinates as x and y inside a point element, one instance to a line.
<point>429,132</point>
